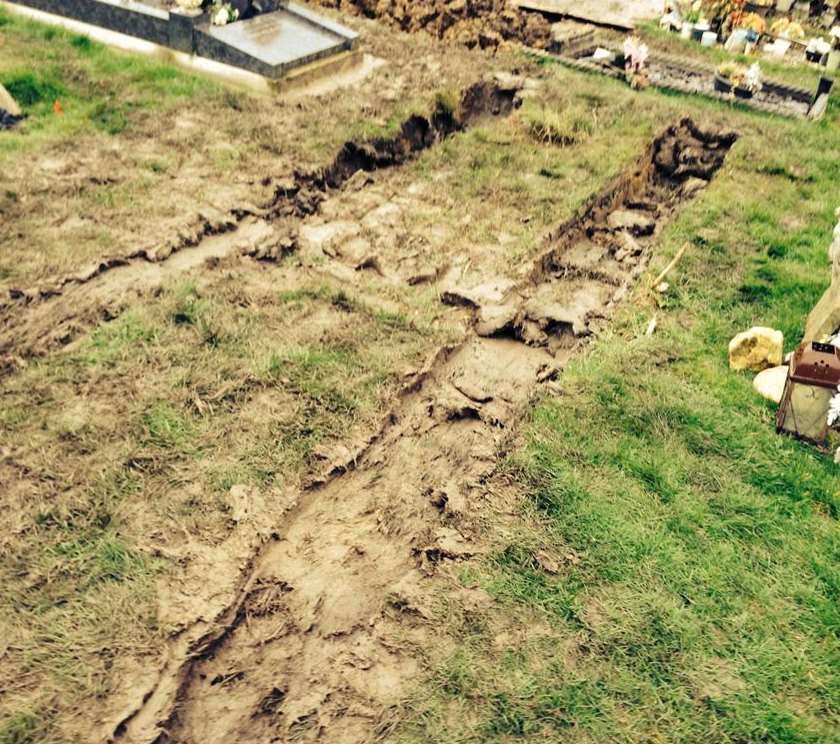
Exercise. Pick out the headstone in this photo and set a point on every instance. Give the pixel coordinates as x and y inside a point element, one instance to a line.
<point>277,40</point>
<point>271,39</point>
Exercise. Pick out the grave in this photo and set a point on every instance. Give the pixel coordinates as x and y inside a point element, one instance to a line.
<point>669,72</point>
<point>274,40</point>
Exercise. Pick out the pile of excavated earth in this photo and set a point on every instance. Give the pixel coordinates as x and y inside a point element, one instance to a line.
<point>474,23</point>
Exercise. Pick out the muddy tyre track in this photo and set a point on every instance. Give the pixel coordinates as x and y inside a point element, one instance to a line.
<point>319,644</point>
<point>38,320</point>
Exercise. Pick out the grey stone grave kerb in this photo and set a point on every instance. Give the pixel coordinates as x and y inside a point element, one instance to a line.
<point>192,33</point>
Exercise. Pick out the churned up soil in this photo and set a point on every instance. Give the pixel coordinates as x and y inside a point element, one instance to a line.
<point>475,23</point>
<point>313,644</point>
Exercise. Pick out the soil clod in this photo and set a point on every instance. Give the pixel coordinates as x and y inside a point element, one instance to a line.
<point>486,24</point>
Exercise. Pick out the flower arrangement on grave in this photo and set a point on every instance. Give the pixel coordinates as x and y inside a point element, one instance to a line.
<point>635,62</point>
<point>786,28</point>
<point>695,14</point>
<point>755,22</point>
<point>740,78</point>
<point>721,9</point>
<point>223,13</point>
<point>190,4</point>
<point>748,21</point>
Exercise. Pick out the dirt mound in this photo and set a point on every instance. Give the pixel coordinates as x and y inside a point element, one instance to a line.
<point>417,133</point>
<point>678,163</point>
<point>606,245</point>
<point>498,96</point>
<point>486,24</point>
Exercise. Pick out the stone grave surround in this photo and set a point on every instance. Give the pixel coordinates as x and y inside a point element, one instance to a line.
<point>617,13</point>
<point>824,319</point>
<point>274,37</point>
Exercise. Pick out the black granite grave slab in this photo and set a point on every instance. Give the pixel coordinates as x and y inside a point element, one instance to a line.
<point>270,43</point>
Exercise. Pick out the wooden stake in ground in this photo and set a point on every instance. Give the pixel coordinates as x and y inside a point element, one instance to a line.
<point>656,282</point>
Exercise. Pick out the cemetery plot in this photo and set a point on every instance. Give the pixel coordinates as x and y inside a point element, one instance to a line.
<point>271,43</point>
<point>38,320</point>
<point>316,609</point>
<point>672,73</point>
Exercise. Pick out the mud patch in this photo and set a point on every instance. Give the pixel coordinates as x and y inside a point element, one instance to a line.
<point>320,642</point>
<point>486,24</point>
<point>593,257</point>
<point>36,320</point>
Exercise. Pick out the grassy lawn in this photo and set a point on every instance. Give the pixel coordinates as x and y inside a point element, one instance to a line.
<point>73,70</point>
<point>122,453</point>
<point>675,576</point>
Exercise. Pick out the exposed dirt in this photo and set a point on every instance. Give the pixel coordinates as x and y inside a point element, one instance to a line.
<point>37,320</point>
<point>475,23</point>
<point>103,194</point>
<point>318,641</point>
<point>592,255</point>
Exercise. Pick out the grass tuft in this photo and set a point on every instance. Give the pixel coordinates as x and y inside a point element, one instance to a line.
<point>558,126</point>
<point>166,428</point>
<point>23,727</point>
<point>30,89</point>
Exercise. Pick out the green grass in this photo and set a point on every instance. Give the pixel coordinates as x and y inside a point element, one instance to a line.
<point>112,342</point>
<point>43,64</point>
<point>565,125</point>
<point>167,425</point>
<point>29,89</point>
<point>315,372</point>
<point>697,592</point>
<point>705,596</point>
<point>167,428</point>
<point>22,728</point>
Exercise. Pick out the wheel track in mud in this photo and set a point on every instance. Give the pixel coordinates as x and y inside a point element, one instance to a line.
<point>38,320</point>
<point>313,645</point>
